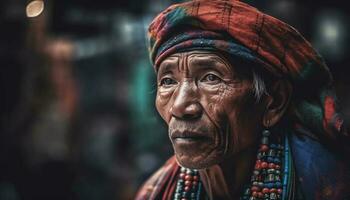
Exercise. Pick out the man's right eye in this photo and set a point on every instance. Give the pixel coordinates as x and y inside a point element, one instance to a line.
<point>167,81</point>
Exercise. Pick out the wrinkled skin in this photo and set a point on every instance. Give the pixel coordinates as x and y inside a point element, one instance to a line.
<point>209,106</point>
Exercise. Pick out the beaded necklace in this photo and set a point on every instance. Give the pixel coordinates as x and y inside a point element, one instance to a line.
<point>271,179</point>
<point>188,185</point>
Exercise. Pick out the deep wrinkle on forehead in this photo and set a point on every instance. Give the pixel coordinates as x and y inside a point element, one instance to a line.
<point>209,61</point>
<point>189,62</point>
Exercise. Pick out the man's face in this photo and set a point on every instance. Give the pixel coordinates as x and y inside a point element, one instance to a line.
<point>209,107</point>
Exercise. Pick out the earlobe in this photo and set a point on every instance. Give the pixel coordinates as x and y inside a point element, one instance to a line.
<point>277,103</point>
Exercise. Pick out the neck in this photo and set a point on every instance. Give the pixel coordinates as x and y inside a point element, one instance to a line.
<point>237,171</point>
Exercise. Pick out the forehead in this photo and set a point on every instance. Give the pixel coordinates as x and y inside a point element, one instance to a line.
<point>196,55</point>
<point>195,58</point>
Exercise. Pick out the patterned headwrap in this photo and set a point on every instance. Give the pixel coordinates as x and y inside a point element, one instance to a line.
<point>241,30</point>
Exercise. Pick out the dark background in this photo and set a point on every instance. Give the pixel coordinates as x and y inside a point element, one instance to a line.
<point>77,92</point>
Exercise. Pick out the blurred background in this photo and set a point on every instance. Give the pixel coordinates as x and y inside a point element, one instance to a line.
<point>77,92</point>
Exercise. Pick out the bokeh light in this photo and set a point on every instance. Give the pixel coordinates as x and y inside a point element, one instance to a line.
<point>331,34</point>
<point>35,8</point>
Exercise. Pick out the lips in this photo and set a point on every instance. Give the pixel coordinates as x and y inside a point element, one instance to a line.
<point>188,135</point>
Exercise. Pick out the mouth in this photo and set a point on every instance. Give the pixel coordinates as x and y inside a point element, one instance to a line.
<point>188,136</point>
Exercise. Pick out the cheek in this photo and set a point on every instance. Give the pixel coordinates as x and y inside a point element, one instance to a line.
<point>227,108</point>
<point>163,104</point>
<point>243,119</point>
<point>223,105</point>
<point>211,101</point>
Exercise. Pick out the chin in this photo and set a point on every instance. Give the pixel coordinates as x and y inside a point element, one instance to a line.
<point>199,161</point>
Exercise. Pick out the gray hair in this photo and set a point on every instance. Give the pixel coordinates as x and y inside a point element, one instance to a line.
<point>259,86</point>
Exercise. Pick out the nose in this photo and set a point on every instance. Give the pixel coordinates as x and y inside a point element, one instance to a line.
<point>186,104</point>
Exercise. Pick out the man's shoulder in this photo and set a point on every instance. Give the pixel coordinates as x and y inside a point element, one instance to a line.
<point>156,182</point>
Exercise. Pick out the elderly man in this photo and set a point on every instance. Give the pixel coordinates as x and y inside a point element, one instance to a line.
<point>249,106</point>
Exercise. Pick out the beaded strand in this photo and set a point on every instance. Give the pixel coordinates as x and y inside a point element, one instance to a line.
<point>188,185</point>
<point>268,181</point>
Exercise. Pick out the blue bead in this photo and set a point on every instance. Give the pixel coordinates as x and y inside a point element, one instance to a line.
<point>278,184</point>
<point>276,160</point>
<point>269,159</point>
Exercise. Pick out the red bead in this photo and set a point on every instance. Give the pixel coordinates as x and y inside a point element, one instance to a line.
<point>187,188</point>
<point>195,178</point>
<point>264,165</point>
<point>273,190</point>
<point>194,183</point>
<point>255,194</point>
<point>260,195</point>
<point>278,167</point>
<point>187,183</point>
<point>188,178</point>
<point>257,166</point>
<point>272,165</point>
<point>279,191</point>
<point>254,188</point>
<point>182,175</point>
<point>264,148</point>
<point>265,190</point>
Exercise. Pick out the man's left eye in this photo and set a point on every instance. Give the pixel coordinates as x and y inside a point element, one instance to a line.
<point>211,78</point>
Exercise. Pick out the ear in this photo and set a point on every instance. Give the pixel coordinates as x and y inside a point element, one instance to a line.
<point>277,102</point>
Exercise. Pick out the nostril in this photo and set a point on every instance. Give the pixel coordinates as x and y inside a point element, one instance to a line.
<point>190,116</point>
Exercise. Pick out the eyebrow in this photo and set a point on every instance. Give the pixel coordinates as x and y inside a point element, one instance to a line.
<point>166,67</point>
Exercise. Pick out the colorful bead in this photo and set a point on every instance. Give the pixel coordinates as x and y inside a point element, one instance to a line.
<point>264,148</point>
<point>182,175</point>
<point>254,188</point>
<point>266,133</point>
<point>188,178</point>
<point>257,166</point>
<point>265,190</point>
